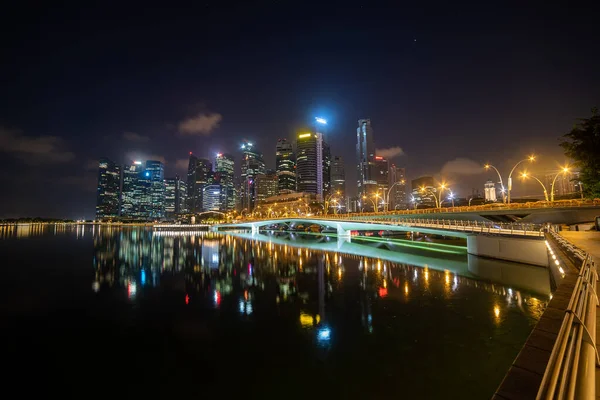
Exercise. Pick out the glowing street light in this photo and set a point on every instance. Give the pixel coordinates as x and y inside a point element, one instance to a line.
<point>527,175</point>
<point>531,158</point>
<point>564,170</point>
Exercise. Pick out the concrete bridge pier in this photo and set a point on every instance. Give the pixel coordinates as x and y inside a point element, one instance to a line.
<point>341,240</point>
<point>341,232</point>
<point>526,251</point>
<point>255,229</point>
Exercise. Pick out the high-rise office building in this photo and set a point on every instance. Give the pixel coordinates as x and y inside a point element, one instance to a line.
<point>109,189</point>
<point>211,197</point>
<point>224,175</point>
<point>191,183</point>
<point>338,179</point>
<point>285,165</point>
<point>252,165</point>
<point>424,191</point>
<point>265,185</point>
<point>397,195</point>
<point>134,190</point>
<point>326,170</point>
<point>365,154</point>
<point>381,175</point>
<point>175,197</point>
<point>306,162</point>
<point>204,177</point>
<point>155,175</point>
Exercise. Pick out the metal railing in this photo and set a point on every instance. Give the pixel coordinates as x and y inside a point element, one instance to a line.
<point>570,373</point>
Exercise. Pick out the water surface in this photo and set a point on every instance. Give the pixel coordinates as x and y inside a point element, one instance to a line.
<point>125,311</point>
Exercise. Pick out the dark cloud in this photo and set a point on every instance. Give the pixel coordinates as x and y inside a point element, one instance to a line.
<point>135,137</point>
<point>34,150</point>
<point>202,124</point>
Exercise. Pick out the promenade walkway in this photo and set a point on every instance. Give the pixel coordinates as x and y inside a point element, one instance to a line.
<point>588,241</point>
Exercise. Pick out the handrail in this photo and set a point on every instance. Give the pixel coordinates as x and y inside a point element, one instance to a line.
<point>570,372</point>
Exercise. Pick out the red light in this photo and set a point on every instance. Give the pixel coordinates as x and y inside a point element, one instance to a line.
<point>382,292</point>
<point>378,158</point>
<point>187,299</point>
<point>190,153</point>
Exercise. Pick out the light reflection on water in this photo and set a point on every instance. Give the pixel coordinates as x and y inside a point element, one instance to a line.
<point>348,305</point>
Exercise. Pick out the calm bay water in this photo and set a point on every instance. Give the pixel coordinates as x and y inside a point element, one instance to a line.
<point>95,311</point>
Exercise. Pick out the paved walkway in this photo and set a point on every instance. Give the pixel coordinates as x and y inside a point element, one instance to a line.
<point>589,242</point>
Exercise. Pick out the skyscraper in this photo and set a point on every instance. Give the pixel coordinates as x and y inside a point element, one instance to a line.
<point>224,174</point>
<point>175,197</point>
<point>109,189</point>
<point>285,165</point>
<point>365,154</point>
<point>211,197</point>
<point>252,165</point>
<point>265,186</point>
<point>191,183</point>
<point>155,175</point>
<point>326,170</point>
<point>306,163</point>
<point>204,176</point>
<point>397,197</point>
<point>133,190</point>
<point>381,175</point>
<point>338,179</point>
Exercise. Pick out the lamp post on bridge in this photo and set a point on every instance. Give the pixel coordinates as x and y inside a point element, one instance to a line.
<point>488,166</point>
<point>531,158</point>
<point>526,175</point>
<point>563,171</point>
<point>386,199</point>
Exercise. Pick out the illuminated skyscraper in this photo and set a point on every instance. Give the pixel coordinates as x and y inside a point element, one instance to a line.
<point>397,197</point>
<point>285,165</point>
<point>175,197</point>
<point>306,163</point>
<point>109,189</point>
<point>155,175</point>
<point>204,177</point>
<point>424,191</point>
<point>211,197</point>
<point>265,186</point>
<point>326,170</point>
<point>490,191</point>
<point>224,175</point>
<point>365,154</point>
<point>338,179</point>
<point>381,175</point>
<point>252,165</point>
<point>134,189</point>
<point>191,183</point>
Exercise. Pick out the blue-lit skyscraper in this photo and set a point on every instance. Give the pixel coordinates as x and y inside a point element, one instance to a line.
<point>155,196</point>
<point>109,189</point>
<point>211,197</point>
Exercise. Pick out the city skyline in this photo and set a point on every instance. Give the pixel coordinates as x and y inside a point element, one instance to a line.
<point>442,101</point>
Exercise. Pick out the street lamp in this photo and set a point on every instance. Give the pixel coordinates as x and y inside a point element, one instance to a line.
<point>488,166</point>
<point>374,205</point>
<point>563,171</point>
<point>328,200</point>
<point>437,198</point>
<point>531,158</point>
<point>526,175</point>
<point>386,200</point>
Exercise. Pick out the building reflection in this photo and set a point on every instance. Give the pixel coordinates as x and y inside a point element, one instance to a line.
<point>213,270</point>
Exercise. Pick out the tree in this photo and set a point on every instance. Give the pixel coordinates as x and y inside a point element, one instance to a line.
<point>582,145</point>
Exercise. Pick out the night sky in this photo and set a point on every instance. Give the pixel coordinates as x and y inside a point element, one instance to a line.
<point>447,88</point>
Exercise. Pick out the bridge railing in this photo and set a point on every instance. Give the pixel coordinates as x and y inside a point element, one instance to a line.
<point>570,372</point>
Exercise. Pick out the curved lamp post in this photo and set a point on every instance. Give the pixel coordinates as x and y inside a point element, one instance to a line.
<point>488,166</point>
<point>526,175</point>
<point>531,158</point>
<point>563,171</point>
<point>386,200</point>
<point>374,204</point>
<point>437,198</point>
